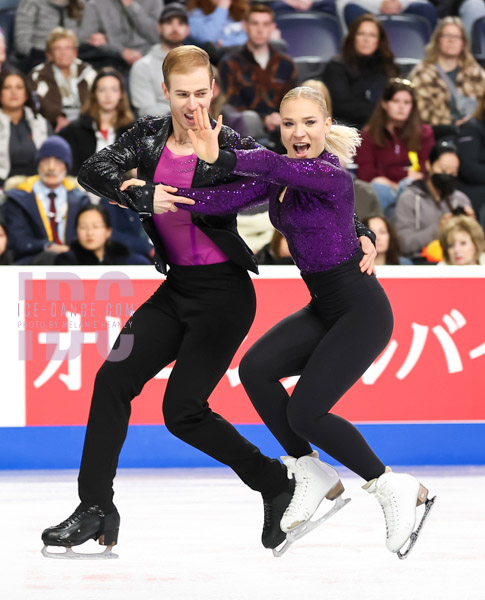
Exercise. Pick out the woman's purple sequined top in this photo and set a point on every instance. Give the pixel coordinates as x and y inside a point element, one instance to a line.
<point>316,215</point>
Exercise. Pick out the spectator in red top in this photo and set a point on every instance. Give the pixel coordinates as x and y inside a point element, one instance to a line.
<point>395,144</point>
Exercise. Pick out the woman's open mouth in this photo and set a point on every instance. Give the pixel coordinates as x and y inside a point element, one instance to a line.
<point>301,150</point>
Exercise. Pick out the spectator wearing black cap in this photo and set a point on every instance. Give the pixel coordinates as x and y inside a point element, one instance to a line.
<point>427,204</point>
<point>146,74</point>
<point>41,212</point>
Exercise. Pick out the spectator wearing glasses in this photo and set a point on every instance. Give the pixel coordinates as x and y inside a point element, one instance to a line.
<point>449,80</point>
<point>62,83</point>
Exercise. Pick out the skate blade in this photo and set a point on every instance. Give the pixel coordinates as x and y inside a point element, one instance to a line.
<point>69,554</point>
<point>414,536</point>
<point>306,528</point>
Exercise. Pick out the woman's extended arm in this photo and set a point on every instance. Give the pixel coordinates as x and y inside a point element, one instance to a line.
<point>226,198</point>
<point>314,175</point>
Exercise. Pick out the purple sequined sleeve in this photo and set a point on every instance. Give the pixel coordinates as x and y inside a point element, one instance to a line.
<point>227,198</point>
<point>317,175</point>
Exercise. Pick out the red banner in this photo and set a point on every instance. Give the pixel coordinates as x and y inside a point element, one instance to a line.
<point>432,369</point>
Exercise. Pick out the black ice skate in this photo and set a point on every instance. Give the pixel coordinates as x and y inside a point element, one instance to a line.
<point>274,508</point>
<point>84,524</point>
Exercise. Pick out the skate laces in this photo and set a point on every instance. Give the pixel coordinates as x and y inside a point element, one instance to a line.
<point>302,480</point>
<point>387,499</point>
<point>72,518</point>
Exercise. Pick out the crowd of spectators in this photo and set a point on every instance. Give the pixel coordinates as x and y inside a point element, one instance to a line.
<point>75,74</point>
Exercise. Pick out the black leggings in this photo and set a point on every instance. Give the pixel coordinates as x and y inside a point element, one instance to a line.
<point>329,343</point>
<point>198,317</point>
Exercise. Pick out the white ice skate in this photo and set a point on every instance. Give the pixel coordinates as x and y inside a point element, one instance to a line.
<point>399,494</point>
<point>314,481</point>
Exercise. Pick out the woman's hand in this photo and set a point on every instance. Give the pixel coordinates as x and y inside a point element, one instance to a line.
<point>367,264</point>
<point>163,199</point>
<point>205,140</point>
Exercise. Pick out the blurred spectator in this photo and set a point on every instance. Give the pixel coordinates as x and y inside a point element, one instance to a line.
<point>6,256</point>
<point>276,252</point>
<point>218,21</point>
<point>119,29</point>
<point>388,245</point>
<point>61,84</point>
<point>357,77</point>
<point>468,11</point>
<point>349,10</point>
<point>146,74</point>
<point>127,229</point>
<point>319,86</point>
<point>35,19</point>
<point>366,199</point>
<point>462,242</point>
<point>93,244</point>
<point>427,204</point>
<point>471,149</point>
<point>22,131</point>
<point>257,77</point>
<point>41,212</point>
<point>105,115</point>
<point>449,80</point>
<point>395,144</point>
<point>282,6</point>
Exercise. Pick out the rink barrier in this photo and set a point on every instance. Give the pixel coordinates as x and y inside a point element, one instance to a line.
<point>152,446</point>
<point>420,402</point>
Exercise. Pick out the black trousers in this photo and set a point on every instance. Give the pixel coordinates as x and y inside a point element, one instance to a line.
<point>198,317</point>
<point>329,343</point>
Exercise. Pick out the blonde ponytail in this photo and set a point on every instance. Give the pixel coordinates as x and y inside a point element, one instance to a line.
<point>341,140</point>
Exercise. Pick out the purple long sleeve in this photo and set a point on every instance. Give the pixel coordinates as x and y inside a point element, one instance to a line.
<point>316,216</point>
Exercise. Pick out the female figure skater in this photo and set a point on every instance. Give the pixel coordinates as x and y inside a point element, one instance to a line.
<point>311,203</point>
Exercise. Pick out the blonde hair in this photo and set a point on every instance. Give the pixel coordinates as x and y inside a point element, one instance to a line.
<point>468,225</point>
<point>342,141</point>
<point>432,50</point>
<point>60,33</point>
<point>184,59</point>
<point>319,86</point>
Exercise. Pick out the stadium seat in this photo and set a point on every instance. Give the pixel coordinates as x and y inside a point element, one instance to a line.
<point>312,38</point>
<point>7,24</point>
<point>478,40</point>
<point>408,36</point>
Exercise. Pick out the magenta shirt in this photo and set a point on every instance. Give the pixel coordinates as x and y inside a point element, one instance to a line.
<point>185,243</point>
